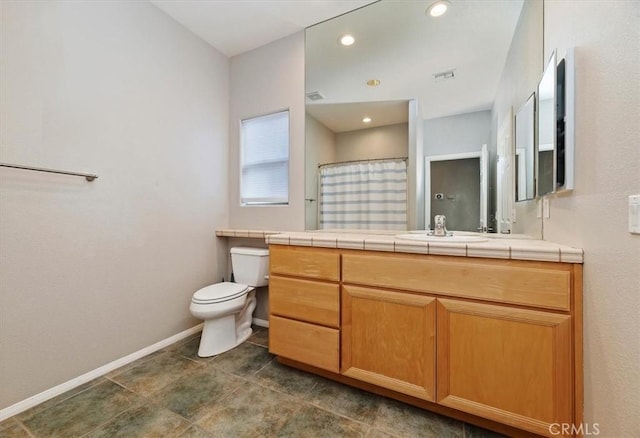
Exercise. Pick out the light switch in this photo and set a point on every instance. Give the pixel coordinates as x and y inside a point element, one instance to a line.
<point>634,214</point>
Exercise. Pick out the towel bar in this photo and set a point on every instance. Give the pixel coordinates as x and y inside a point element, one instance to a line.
<point>88,176</point>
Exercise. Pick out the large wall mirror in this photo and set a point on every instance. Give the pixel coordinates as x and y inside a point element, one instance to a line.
<point>412,89</point>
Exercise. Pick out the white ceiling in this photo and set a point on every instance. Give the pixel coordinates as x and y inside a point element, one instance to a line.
<point>343,117</point>
<point>395,42</point>
<point>237,26</point>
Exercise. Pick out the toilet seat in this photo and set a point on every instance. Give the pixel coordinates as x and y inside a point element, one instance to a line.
<point>219,292</point>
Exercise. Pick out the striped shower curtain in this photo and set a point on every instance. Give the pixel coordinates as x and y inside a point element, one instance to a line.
<point>364,195</point>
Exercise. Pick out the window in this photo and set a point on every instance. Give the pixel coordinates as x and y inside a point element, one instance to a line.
<point>264,160</point>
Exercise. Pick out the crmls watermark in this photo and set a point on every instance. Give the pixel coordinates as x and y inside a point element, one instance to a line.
<point>584,429</point>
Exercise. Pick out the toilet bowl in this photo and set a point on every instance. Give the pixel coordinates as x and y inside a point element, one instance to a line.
<point>227,308</point>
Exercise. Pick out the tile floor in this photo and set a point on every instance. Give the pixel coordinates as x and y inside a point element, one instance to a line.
<point>241,393</point>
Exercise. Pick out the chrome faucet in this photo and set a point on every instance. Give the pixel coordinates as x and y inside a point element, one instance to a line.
<point>440,228</point>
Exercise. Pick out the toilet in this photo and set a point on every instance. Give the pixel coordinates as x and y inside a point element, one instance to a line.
<point>227,308</point>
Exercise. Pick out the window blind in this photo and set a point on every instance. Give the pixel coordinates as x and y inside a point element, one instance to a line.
<point>265,159</point>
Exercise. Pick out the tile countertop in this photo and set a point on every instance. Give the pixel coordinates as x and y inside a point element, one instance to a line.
<point>500,247</point>
<point>517,247</point>
<point>253,234</point>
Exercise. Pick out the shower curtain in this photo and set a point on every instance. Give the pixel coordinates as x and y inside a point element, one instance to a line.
<point>364,195</point>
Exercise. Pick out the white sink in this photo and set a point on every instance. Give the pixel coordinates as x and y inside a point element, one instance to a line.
<point>456,238</point>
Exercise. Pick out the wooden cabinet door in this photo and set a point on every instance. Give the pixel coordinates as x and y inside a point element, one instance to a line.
<point>506,364</point>
<point>388,340</point>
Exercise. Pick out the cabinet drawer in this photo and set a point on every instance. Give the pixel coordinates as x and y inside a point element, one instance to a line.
<point>307,343</point>
<point>305,300</point>
<point>506,281</point>
<point>304,262</point>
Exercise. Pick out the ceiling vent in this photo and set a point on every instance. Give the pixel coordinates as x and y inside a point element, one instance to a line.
<point>444,76</point>
<point>314,96</point>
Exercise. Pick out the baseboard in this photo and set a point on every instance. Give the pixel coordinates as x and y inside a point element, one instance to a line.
<point>66,386</point>
<point>260,322</point>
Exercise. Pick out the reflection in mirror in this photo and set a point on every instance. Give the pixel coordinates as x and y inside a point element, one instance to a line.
<point>450,69</point>
<point>546,98</point>
<point>458,187</point>
<point>525,149</point>
<point>366,191</point>
<point>363,195</point>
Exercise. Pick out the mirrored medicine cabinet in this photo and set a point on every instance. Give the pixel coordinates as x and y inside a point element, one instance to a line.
<point>555,125</point>
<point>524,142</point>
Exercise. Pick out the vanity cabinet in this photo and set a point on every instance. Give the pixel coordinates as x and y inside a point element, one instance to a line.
<point>468,337</point>
<point>304,306</point>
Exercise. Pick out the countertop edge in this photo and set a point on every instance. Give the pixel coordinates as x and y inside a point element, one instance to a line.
<point>499,248</point>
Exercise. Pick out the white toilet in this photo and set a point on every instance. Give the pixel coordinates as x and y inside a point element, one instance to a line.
<point>227,308</point>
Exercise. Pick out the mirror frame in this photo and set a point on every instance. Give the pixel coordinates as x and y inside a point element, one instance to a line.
<point>548,75</point>
<point>563,71</point>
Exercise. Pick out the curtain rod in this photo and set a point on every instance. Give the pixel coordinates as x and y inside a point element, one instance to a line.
<point>363,161</point>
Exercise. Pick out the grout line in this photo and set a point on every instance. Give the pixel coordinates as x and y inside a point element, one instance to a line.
<point>24,428</point>
<point>263,367</point>
<point>133,407</point>
<point>31,434</point>
<point>97,380</point>
<point>326,409</point>
<point>300,397</point>
<point>200,360</point>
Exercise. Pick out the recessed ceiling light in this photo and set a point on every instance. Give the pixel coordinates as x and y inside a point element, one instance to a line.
<point>367,120</point>
<point>347,40</point>
<point>373,82</point>
<point>438,8</point>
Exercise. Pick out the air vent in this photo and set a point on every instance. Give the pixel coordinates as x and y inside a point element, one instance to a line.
<point>315,96</point>
<point>444,76</point>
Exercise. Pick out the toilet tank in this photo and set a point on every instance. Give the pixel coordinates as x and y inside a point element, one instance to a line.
<point>250,265</point>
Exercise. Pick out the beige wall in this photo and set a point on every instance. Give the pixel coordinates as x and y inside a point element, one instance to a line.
<point>606,37</point>
<point>320,148</point>
<point>523,70</point>
<point>391,141</point>
<point>265,80</point>
<point>91,272</point>
<point>457,134</point>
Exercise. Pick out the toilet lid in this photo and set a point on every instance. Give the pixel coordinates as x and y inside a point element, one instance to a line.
<point>219,292</point>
